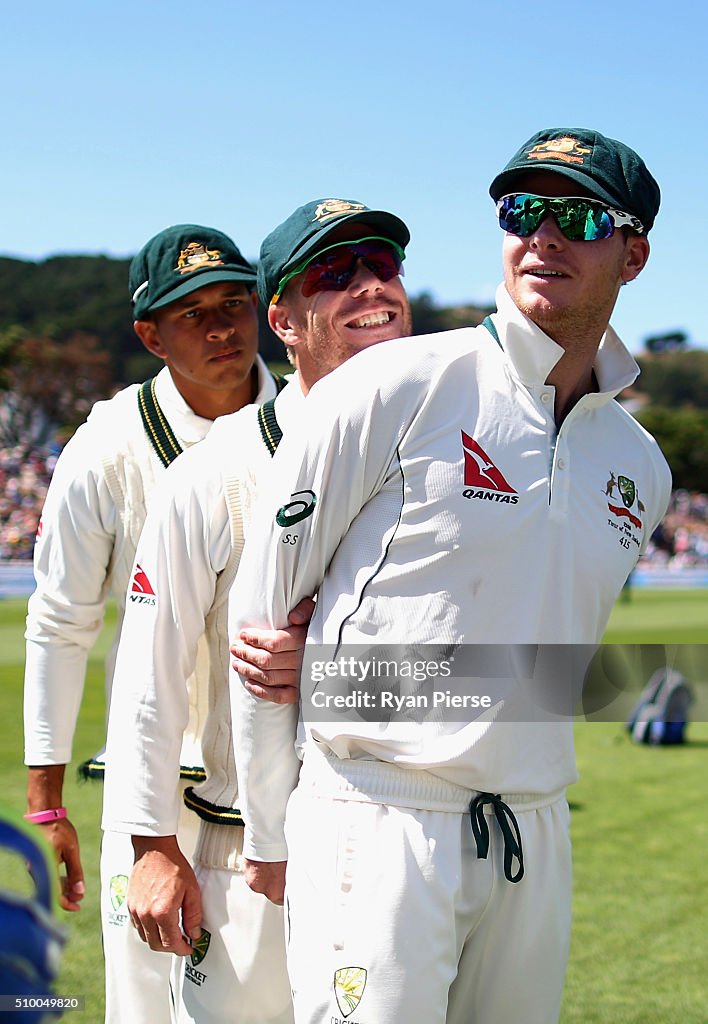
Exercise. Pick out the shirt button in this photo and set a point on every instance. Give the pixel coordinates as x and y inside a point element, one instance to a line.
<point>561,463</point>
<point>545,398</point>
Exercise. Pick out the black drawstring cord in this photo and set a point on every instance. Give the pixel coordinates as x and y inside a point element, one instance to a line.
<point>507,822</point>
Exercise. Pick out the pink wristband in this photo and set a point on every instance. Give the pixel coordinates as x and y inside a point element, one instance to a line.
<point>41,817</point>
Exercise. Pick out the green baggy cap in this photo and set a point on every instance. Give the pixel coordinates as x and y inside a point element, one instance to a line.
<point>305,232</point>
<point>608,169</point>
<point>181,259</point>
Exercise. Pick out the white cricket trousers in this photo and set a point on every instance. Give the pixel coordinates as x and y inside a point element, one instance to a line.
<point>138,987</point>
<point>393,916</point>
<point>237,974</point>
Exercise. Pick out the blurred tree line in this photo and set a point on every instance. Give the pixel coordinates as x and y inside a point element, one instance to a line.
<point>66,340</point>
<point>674,390</point>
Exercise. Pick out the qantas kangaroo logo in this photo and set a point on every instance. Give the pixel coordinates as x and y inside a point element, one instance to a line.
<point>141,584</point>
<point>483,479</point>
<point>140,587</point>
<point>480,472</point>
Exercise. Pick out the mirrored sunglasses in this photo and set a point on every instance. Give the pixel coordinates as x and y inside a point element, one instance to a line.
<point>580,219</point>
<point>332,269</point>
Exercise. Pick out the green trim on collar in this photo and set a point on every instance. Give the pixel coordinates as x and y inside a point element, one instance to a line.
<point>489,324</point>
<point>279,381</point>
<point>270,429</point>
<point>163,439</point>
<point>158,430</point>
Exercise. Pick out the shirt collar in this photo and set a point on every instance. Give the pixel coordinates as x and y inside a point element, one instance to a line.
<point>533,354</point>
<point>288,404</point>
<point>266,384</point>
<point>186,425</point>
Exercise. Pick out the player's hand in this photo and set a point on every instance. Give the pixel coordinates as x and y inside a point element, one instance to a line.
<point>45,784</point>
<point>269,660</point>
<point>267,878</point>
<point>63,838</point>
<point>162,889</point>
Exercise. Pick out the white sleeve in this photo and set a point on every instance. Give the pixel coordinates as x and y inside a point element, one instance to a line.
<point>185,533</point>
<point>322,475</point>
<point>72,560</point>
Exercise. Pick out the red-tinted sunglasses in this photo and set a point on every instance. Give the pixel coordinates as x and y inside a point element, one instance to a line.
<point>332,269</point>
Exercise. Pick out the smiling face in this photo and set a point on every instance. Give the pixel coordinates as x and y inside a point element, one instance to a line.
<point>209,341</point>
<point>568,289</point>
<point>326,329</point>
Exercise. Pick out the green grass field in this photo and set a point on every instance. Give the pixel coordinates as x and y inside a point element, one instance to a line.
<point>660,616</point>
<point>639,820</point>
<point>82,966</point>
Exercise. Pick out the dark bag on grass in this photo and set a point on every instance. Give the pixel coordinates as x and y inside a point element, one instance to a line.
<point>661,715</point>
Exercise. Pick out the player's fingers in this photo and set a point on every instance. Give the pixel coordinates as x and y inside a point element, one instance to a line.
<point>163,935</point>
<point>155,911</point>
<point>173,941</point>
<point>248,671</point>
<point>272,680</point>
<point>137,924</point>
<point>281,694</point>
<point>280,671</point>
<point>302,612</point>
<point>266,878</point>
<point>260,639</point>
<point>192,912</point>
<point>250,656</point>
<point>62,836</point>
<point>73,890</point>
<point>251,662</point>
<point>274,641</point>
<point>65,901</point>
<point>73,875</point>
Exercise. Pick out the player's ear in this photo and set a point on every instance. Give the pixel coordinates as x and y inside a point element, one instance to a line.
<point>283,323</point>
<point>636,256</point>
<point>148,333</point>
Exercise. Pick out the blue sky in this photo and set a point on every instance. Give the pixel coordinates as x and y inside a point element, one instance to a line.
<point>122,118</point>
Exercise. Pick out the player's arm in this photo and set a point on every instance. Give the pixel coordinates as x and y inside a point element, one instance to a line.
<point>321,478</point>
<point>157,653</point>
<point>65,614</point>
<point>182,547</point>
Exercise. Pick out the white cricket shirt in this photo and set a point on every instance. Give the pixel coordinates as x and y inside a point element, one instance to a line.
<point>84,553</point>
<point>184,546</point>
<point>430,499</point>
